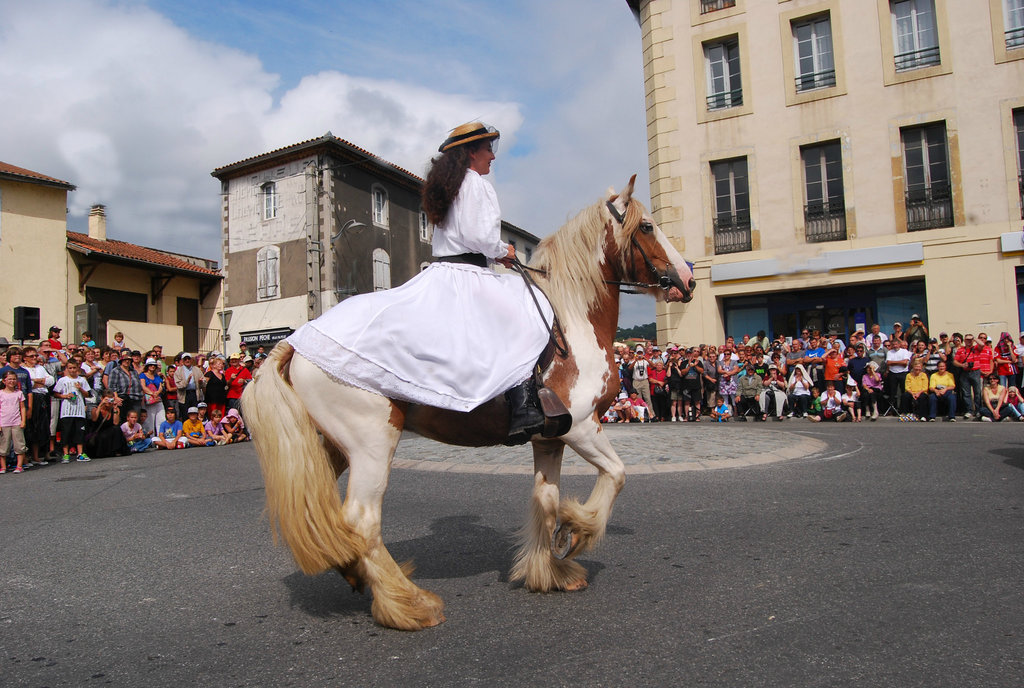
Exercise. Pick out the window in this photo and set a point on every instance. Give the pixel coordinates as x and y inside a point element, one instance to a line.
<point>722,62</point>
<point>380,206</point>
<point>1018,127</point>
<point>1013,23</point>
<point>268,273</point>
<point>812,50</point>
<point>381,270</point>
<point>915,34</point>
<point>731,223</point>
<point>825,207</point>
<point>926,168</point>
<point>714,5</point>
<point>426,229</point>
<point>270,202</point>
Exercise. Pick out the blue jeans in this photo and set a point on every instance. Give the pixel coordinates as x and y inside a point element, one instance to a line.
<point>949,396</point>
<point>972,391</point>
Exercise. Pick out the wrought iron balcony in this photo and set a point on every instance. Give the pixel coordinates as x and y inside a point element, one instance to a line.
<point>713,5</point>
<point>725,99</point>
<point>813,80</point>
<point>1015,38</point>
<point>1020,189</point>
<point>825,222</point>
<point>929,207</point>
<point>732,233</point>
<point>916,59</point>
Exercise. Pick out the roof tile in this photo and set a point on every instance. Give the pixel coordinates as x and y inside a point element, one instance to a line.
<point>122,249</point>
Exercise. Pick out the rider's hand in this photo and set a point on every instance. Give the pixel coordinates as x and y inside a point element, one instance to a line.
<point>509,258</point>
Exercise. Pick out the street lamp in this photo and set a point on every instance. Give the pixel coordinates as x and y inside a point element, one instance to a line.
<point>351,227</point>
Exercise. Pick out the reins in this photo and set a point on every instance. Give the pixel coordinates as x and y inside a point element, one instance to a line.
<point>562,348</point>
<point>625,287</point>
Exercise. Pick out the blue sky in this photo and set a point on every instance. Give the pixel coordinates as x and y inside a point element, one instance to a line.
<point>137,101</point>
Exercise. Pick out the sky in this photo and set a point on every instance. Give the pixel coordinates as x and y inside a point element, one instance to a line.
<point>137,101</point>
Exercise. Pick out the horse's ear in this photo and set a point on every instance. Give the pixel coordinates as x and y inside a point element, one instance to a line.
<point>627,193</point>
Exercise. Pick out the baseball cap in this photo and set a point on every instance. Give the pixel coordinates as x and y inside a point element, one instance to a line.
<point>201,404</point>
<point>151,361</point>
<point>192,409</point>
<point>54,329</point>
<point>185,355</point>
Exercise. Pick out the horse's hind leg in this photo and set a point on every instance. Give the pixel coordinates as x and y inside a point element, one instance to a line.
<point>535,563</point>
<point>585,523</point>
<point>365,429</point>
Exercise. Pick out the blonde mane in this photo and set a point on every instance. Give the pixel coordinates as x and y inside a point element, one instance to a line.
<point>573,257</point>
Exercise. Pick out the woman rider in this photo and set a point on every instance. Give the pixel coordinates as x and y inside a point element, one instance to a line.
<point>459,333</point>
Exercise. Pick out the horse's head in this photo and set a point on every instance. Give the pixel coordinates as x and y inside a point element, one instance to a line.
<point>648,260</point>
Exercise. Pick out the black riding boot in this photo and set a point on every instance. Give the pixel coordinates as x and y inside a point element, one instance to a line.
<point>525,416</point>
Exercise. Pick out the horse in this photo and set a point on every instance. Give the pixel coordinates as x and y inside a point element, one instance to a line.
<point>308,428</point>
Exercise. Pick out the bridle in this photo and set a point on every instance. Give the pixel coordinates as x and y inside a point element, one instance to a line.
<point>664,280</point>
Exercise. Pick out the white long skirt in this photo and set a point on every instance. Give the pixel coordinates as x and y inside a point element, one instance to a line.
<point>452,337</point>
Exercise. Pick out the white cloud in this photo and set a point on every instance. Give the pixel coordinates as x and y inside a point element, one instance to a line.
<point>136,111</point>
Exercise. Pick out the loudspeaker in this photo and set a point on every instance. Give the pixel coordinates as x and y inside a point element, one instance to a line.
<point>26,322</point>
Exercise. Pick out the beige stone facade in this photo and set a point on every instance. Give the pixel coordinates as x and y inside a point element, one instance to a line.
<point>832,164</point>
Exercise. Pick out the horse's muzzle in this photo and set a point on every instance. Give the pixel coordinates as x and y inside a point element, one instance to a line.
<point>680,291</point>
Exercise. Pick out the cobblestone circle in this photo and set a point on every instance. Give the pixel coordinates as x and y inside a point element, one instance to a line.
<point>643,448</point>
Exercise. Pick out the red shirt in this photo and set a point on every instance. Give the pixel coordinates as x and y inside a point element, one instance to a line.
<point>981,358</point>
<point>236,377</point>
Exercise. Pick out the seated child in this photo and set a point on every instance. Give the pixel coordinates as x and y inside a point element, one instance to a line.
<point>169,433</point>
<point>234,427</point>
<point>1015,403</point>
<point>851,403</point>
<point>133,434</point>
<point>215,429</point>
<point>721,412</point>
<point>814,410</point>
<point>193,430</point>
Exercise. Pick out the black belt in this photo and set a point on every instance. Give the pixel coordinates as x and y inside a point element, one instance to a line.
<point>477,259</point>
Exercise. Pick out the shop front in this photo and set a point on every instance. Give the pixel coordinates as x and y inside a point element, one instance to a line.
<point>837,310</point>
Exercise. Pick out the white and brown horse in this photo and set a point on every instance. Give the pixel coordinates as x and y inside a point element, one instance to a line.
<point>308,428</point>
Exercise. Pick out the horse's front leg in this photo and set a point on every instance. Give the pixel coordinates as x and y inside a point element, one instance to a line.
<point>581,526</point>
<point>535,563</point>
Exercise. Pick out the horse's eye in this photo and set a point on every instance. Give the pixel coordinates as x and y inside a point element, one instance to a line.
<point>646,227</point>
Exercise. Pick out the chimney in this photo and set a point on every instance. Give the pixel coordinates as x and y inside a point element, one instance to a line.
<point>98,222</point>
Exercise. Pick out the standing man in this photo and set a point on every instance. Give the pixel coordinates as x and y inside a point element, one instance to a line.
<point>189,381</point>
<point>126,384</point>
<point>641,383</point>
<point>917,332</point>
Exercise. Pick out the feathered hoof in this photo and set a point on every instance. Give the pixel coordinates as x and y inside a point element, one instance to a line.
<point>422,609</point>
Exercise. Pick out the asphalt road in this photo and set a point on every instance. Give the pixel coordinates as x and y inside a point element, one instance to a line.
<point>892,557</point>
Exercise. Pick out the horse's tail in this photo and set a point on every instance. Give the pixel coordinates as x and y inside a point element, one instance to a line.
<point>301,485</point>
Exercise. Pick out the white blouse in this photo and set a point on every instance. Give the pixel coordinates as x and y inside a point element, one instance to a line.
<point>473,223</point>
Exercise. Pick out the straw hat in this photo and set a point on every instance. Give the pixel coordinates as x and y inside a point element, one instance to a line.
<point>465,133</point>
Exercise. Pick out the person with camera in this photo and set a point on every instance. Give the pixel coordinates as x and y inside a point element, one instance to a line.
<point>693,371</point>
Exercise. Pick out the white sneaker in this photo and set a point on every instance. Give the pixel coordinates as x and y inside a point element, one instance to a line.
<point>986,419</point>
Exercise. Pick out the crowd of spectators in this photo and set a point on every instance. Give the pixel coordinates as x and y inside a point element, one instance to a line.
<point>79,401</point>
<point>907,374</point>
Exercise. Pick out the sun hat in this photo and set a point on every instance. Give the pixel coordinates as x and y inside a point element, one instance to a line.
<point>465,133</point>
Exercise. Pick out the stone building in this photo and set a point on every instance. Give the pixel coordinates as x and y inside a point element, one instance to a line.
<point>308,225</point>
<point>89,282</point>
<point>829,165</point>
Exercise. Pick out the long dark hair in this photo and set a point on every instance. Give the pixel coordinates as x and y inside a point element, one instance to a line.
<point>445,178</point>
